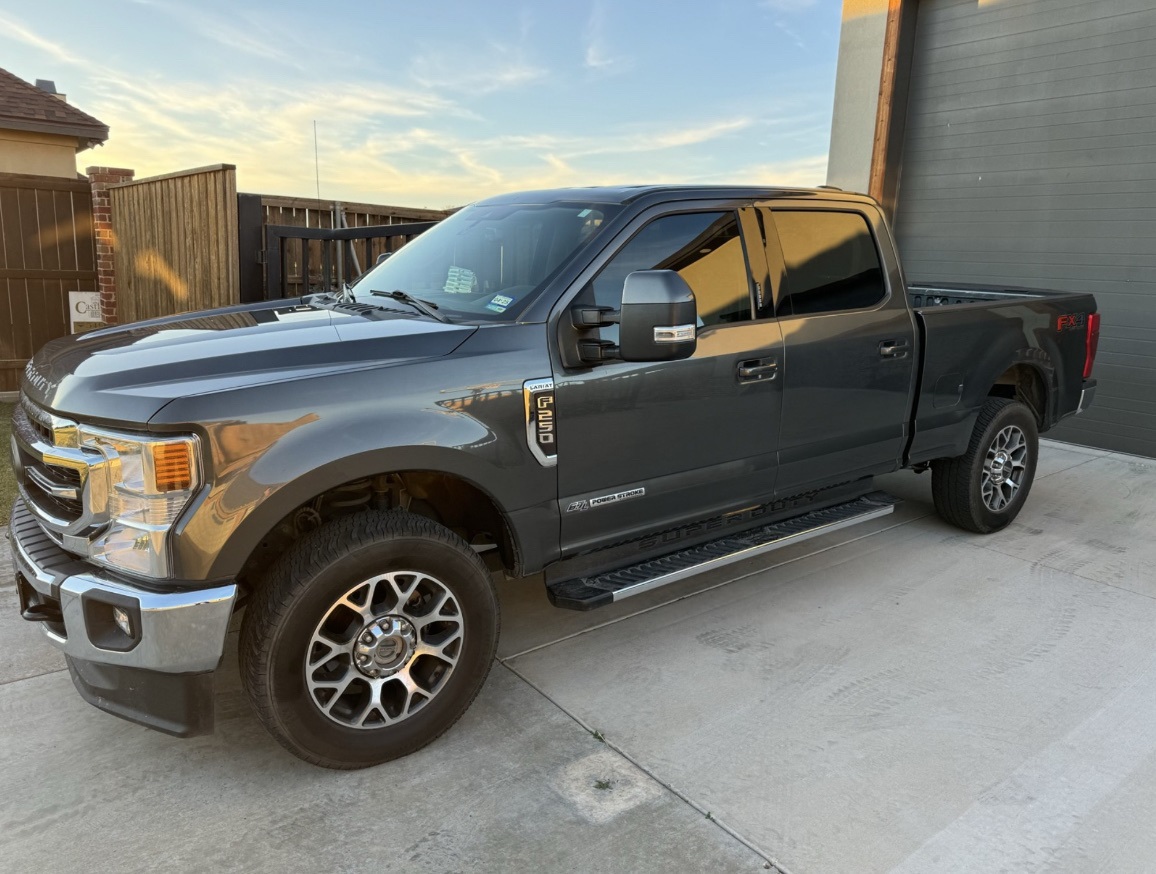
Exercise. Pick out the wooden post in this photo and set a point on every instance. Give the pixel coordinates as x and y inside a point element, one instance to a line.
<point>891,115</point>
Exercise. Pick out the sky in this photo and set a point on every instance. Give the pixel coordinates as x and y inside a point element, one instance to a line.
<point>437,103</point>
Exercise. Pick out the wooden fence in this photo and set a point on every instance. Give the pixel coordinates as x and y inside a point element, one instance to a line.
<point>187,241</point>
<point>183,241</point>
<point>46,251</point>
<point>176,242</point>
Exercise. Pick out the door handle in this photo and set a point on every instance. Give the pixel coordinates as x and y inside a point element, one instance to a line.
<point>894,348</point>
<point>758,370</point>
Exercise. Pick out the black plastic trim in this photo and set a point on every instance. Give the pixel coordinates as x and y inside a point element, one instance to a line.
<point>102,629</point>
<point>176,704</point>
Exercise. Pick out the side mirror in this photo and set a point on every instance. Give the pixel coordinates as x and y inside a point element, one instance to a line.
<point>658,317</point>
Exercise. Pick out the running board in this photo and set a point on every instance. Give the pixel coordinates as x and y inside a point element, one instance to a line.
<point>586,593</point>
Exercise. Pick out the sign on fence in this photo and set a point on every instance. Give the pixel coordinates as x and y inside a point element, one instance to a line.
<point>84,311</point>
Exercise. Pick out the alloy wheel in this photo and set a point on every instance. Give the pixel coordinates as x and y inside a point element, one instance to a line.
<point>384,649</point>
<point>1004,468</point>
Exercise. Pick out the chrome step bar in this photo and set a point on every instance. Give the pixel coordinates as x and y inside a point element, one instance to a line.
<point>586,593</point>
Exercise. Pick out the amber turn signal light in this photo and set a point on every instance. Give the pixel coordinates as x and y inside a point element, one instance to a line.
<point>172,466</point>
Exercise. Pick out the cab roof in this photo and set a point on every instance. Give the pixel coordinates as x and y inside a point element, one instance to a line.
<point>625,194</point>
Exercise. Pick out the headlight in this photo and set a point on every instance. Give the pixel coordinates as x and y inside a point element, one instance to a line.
<point>145,484</point>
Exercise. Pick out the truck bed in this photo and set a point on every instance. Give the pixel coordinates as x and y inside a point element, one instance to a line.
<point>969,333</point>
<point>930,294</point>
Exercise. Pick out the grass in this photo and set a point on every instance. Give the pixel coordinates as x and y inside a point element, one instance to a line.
<point>7,480</point>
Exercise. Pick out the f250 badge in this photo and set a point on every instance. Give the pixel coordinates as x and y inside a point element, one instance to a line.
<point>541,423</point>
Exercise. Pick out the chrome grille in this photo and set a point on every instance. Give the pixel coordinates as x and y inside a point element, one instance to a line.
<point>60,508</point>
<point>44,431</point>
<point>51,470</point>
<point>37,420</point>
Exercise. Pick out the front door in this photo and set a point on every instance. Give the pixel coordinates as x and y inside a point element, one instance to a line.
<point>644,447</point>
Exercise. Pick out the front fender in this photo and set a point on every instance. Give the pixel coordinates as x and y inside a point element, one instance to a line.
<point>272,448</point>
<point>245,510</point>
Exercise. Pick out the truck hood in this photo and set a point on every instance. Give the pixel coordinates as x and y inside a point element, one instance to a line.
<point>128,373</point>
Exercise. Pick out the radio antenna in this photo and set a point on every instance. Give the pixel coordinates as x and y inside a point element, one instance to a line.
<point>316,163</point>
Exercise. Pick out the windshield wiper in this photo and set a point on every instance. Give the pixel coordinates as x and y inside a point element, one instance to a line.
<point>422,306</point>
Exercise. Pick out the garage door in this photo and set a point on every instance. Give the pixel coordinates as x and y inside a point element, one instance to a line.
<point>1030,159</point>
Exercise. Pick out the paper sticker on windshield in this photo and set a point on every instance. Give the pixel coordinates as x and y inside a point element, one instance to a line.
<point>499,303</point>
<point>461,280</point>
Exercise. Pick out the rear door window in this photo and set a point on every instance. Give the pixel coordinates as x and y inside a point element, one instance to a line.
<point>831,262</point>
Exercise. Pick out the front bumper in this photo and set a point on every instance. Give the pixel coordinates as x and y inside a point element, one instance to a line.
<point>160,675</point>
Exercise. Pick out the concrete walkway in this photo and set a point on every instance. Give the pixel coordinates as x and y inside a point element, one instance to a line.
<point>898,696</point>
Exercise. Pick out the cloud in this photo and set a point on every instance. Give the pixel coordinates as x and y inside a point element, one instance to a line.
<point>415,145</point>
<point>475,77</point>
<point>16,31</point>
<point>788,6</point>
<point>791,35</point>
<point>483,67</point>
<point>699,134</point>
<point>597,55</point>
<point>269,46</point>
<point>808,172</point>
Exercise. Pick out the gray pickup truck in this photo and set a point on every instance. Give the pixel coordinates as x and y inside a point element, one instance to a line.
<point>612,387</point>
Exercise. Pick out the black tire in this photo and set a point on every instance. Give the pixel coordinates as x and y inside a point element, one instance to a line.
<point>308,596</point>
<point>966,497</point>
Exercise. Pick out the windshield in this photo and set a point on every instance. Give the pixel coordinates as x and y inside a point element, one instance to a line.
<point>486,262</point>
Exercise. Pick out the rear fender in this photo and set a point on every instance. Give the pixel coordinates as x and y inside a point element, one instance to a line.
<point>968,349</point>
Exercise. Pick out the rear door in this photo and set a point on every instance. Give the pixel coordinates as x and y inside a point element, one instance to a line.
<point>849,345</point>
<point>647,446</point>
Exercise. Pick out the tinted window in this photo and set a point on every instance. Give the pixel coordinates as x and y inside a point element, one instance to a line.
<point>831,262</point>
<point>703,247</point>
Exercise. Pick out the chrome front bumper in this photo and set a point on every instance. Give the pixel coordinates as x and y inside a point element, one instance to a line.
<point>177,632</point>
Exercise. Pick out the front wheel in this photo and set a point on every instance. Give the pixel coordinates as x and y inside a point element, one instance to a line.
<point>984,489</point>
<point>369,638</point>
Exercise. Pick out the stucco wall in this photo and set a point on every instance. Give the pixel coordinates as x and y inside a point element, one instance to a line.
<point>37,154</point>
<point>856,93</point>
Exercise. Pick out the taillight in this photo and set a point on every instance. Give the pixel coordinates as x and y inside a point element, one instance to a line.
<point>1093,341</point>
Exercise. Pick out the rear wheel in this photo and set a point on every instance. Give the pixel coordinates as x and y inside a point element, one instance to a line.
<point>368,639</point>
<point>984,489</point>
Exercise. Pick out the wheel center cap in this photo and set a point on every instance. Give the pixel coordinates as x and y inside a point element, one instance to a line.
<point>998,465</point>
<point>384,646</point>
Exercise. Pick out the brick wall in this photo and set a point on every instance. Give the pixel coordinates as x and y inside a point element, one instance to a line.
<point>101,178</point>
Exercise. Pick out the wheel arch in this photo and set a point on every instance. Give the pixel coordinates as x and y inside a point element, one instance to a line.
<point>1030,379</point>
<point>258,514</point>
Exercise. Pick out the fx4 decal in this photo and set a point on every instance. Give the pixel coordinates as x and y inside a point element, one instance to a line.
<point>1071,322</point>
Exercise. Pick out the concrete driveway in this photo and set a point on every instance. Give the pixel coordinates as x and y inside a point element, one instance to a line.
<point>894,697</point>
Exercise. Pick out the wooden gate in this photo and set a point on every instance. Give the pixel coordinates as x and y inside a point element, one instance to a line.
<point>46,251</point>
<point>176,242</point>
<point>312,260</point>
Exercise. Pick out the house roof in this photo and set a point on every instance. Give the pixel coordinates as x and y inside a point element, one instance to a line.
<point>26,107</point>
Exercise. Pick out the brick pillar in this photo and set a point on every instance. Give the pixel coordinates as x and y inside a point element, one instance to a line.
<point>101,179</point>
